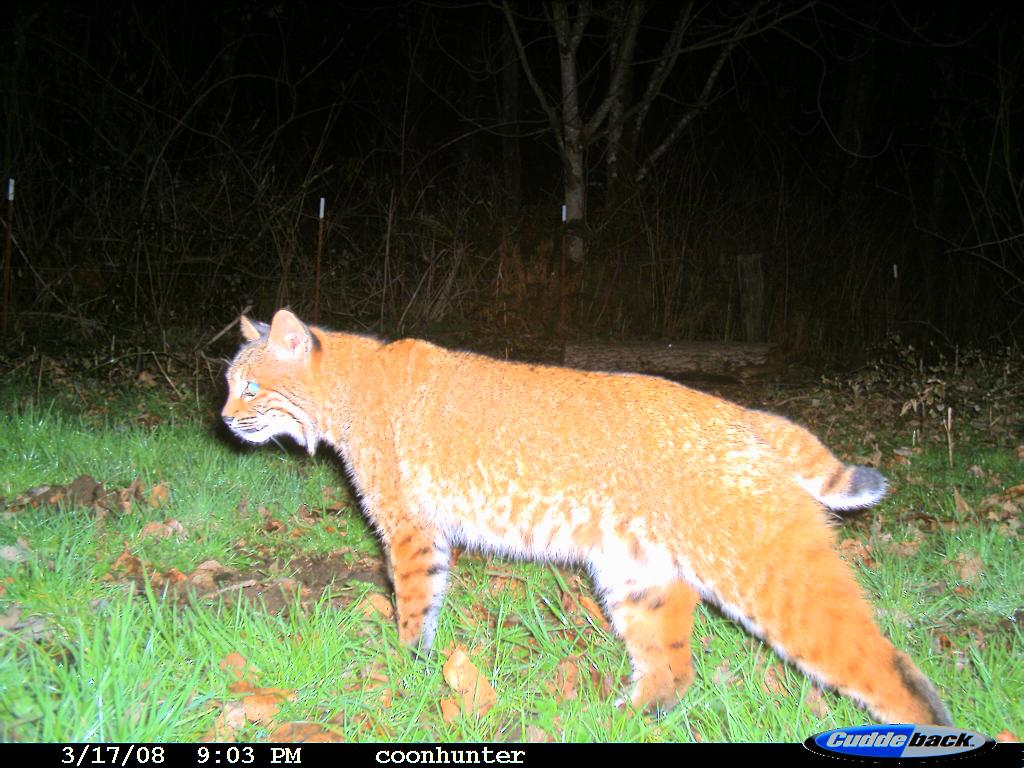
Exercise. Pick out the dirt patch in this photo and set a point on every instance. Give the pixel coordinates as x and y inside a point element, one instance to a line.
<point>300,583</point>
<point>277,587</point>
<point>312,579</point>
<point>86,492</point>
<point>326,571</point>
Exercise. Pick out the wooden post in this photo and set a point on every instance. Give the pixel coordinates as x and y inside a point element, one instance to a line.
<point>751,276</point>
<point>563,308</point>
<point>7,252</point>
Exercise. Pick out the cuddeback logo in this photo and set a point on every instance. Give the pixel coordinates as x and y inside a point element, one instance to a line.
<point>901,742</point>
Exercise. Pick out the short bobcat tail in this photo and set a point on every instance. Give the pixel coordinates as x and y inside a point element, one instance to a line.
<point>848,487</point>
<point>836,485</point>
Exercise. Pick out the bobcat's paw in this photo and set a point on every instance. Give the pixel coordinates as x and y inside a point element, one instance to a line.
<point>656,693</point>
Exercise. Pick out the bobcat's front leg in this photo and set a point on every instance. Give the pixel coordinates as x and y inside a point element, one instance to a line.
<point>418,565</point>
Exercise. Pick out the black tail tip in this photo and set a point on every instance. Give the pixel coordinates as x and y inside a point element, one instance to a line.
<point>866,482</point>
<point>922,689</point>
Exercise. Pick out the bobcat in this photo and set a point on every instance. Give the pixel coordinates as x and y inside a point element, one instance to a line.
<point>666,494</point>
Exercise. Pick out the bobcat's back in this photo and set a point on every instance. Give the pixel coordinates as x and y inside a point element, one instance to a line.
<point>668,495</point>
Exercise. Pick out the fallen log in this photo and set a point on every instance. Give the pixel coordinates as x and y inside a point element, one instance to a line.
<point>672,359</point>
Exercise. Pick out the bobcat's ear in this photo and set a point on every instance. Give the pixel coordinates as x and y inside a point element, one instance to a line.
<point>252,329</point>
<point>289,337</point>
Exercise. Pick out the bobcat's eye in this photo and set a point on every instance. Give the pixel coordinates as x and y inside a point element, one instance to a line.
<point>251,388</point>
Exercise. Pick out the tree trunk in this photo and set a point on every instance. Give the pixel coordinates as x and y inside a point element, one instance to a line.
<point>619,156</point>
<point>614,115</point>
<point>569,35</point>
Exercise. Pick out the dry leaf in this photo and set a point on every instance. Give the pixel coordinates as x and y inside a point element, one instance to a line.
<point>128,563</point>
<point>153,528</point>
<point>905,548</point>
<point>376,603</point>
<point>595,612</point>
<point>10,619</point>
<point>208,573</point>
<point>304,733</point>
<point>13,554</point>
<point>772,682</point>
<point>1006,735</point>
<point>230,719</point>
<point>506,585</point>
<point>566,681</point>
<point>856,551</point>
<point>450,710</point>
<point>815,701</point>
<point>723,675</point>
<point>969,567</point>
<point>238,667</point>
<point>962,507</point>
<point>158,495</point>
<point>537,735</point>
<point>1014,491</point>
<point>604,683</point>
<point>461,674</point>
<point>261,706</point>
<point>174,576</point>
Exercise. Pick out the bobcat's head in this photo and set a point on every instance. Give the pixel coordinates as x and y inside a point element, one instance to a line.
<point>271,382</point>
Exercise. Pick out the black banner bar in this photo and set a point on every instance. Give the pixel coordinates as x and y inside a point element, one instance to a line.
<point>313,755</point>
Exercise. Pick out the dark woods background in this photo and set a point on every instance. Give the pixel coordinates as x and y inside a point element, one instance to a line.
<point>815,174</point>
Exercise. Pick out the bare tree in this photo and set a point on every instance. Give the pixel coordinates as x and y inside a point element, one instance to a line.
<point>619,118</point>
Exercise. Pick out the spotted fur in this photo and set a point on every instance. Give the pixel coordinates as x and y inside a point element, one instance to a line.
<point>666,494</point>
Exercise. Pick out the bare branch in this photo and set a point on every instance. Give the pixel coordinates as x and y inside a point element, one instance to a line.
<point>666,63</point>
<point>705,94</point>
<point>622,64</point>
<point>579,24</point>
<point>528,70</point>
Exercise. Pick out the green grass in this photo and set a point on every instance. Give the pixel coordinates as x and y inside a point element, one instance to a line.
<point>95,659</point>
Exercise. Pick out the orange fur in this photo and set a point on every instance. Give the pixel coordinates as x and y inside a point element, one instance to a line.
<point>666,494</point>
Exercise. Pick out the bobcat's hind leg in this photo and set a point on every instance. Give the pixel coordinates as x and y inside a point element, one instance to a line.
<point>849,652</point>
<point>656,623</point>
<point>805,601</point>
<point>418,565</point>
